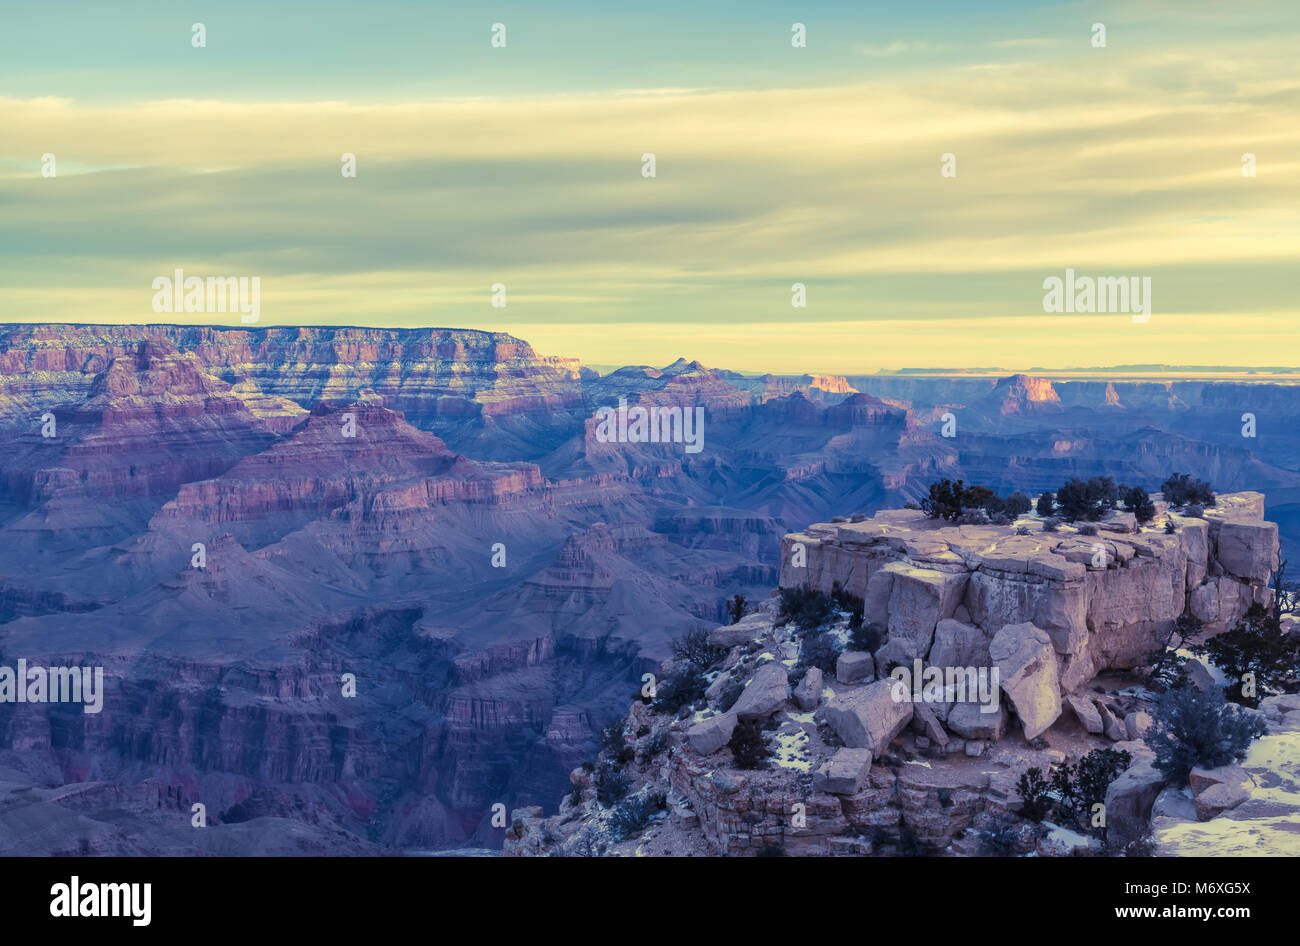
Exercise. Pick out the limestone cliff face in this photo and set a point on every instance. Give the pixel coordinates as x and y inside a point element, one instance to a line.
<point>1106,600</point>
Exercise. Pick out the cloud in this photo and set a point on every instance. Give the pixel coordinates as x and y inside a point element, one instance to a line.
<point>1102,164</point>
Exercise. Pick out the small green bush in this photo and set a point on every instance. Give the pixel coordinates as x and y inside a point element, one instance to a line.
<point>820,652</point>
<point>633,815</point>
<point>807,608</point>
<point>1139,503</point>
<point>693,647</point>
<point>1035,795</point>
<point>1255,645</point>
<point>682,687</point>
<point>611,784</point>
<point>1017,504</point>
<point>1181,489</point>
<point>1194,728</point>
<point>748,746</point>
<point>1087,499</point>
<point>867,637</point>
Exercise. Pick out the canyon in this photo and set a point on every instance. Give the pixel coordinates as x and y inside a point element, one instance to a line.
<point>432,512</point>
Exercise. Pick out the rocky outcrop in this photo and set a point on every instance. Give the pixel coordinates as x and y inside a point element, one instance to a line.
<point>1103,601</point>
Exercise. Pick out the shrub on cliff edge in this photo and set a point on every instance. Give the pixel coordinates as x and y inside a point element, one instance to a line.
<point>694,648</point>
<point>1194,728</point>
<point>807,608</point>
<point>682,687</point>
<point>1255,645</point>
<point>1087,499</point>
<point>748,746</point>
<point>1182,490</point>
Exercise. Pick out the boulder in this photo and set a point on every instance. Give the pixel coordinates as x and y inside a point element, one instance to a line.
<point>844,773</point>
<point>1217,799</point>
<point>854,666</point>
<point>1118,522</point>
<point>869,718</point>
<point>529,813</point>
<point>1280,705</point>
<point>971,722</point>
<point>764,694</point>
<point>1026,663</point>
<point>1086,711</point>
<point>1129,800</point>
<point>1248,549</point>
<point>958,645</point>
<point>1199,779</point>
<point>729,635</point>
<point>719,684</point>
<point>893,652</point>
<point>919,599</point>
<point>1077,669</point>
<point>1137,724</point>
<point>1198,676</point>
<point>809,691</point>
<point>929,724</point>
<point>1116,731</point>
<point>708,736</point>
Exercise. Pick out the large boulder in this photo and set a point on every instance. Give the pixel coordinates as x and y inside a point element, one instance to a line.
<point>1138,724</point>
<point>1116,730</point>
<point>716,688</point>
<point>1200,778</point>
<point>708,736</point>
<point>1087,713</point>
<point>1026,663</point>
<point>750,628</point>
<point>958,645</point>
<point>844,773</point>
<point>969,721</point>
<point>1128,802</point>
<point>1217,799</point>
<point>809,691</point>
<point>929,723</point>
<point>869,718</point>
<point>764,694</point>
<point>854,666</point>
<point>1248,549</point>
<point>919,599</point>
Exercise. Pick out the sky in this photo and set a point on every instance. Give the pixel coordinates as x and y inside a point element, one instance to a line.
<point>775,165</point>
